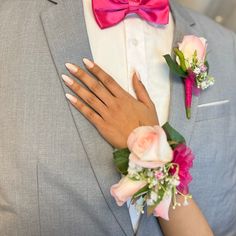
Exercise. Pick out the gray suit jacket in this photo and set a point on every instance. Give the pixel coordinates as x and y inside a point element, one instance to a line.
<point>56,170</point>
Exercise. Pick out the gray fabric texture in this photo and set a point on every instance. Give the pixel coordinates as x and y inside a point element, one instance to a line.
<point>55,168</point>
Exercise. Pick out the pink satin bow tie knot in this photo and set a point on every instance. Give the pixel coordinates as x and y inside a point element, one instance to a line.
<point>110,12</point>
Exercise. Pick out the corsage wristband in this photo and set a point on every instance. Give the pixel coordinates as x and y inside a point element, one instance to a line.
<point>156,168</point>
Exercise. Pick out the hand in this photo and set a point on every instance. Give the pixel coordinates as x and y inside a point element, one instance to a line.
<point>112,110</point>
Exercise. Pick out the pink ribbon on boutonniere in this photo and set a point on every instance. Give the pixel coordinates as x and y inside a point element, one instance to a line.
<point>190,89</point>
<point>191,65</point>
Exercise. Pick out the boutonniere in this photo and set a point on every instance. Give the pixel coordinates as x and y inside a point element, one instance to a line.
<point>191,65</point>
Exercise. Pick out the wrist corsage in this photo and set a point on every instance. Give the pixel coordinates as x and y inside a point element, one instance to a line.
<point>156,168</point>
<point>191,65</point>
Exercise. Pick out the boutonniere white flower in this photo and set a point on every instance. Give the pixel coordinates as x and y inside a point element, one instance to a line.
<point>191,65</point>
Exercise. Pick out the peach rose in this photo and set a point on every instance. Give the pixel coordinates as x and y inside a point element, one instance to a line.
<point>162,209</point>
<point>149,147</point>
<point>125,189</point>
<point>191,44</point>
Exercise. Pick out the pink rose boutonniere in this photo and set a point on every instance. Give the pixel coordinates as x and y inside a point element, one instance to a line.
<point>191,65</point>
<point>156,167</point>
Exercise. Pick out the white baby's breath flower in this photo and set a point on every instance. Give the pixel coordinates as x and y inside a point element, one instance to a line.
<point>197,71</point>
<point>138,168</point>
<point>133,168</point>
<point>186,203</point>
<point>211,80</point>
<point>174,182</point>
<point>154,182</point>
<point>205,82</point>
<point>150,173</point>
<point>132,165</point>
<point>150,202</point>
<point>139,204</point>
<point>132,172</point>
<point>203,85</point>
<point>154,196</point>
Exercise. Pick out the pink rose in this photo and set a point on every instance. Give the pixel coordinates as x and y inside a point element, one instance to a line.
<point>162,209</point>
<point>191,44</point>
<point>125,189</point>
<point>149,147</point>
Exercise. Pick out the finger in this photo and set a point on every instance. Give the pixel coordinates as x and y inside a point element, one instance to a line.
<point>86,95</point>
<point>94,85</point>
<point>89,114</point>
<point>140,90</point>
<point>106,79</point>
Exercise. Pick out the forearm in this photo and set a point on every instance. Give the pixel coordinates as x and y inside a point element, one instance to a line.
<point>186,221</point>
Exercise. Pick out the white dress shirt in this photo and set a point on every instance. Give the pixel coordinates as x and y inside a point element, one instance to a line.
<point>134,45</point>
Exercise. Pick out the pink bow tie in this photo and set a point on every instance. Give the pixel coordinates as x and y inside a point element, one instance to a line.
<point>110,12</point>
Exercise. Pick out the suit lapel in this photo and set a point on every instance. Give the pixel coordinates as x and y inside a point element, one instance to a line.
<point>66,34</point>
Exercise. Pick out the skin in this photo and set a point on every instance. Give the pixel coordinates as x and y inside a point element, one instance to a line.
<point>115,113</point>
<point>102,103</point>
<point>186,221</point>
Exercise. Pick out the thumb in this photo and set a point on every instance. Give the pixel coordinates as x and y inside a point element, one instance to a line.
<point>140,90</point>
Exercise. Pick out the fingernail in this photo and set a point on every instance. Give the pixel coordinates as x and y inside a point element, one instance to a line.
<point>71,98</point>
<point>138,76</point>
<point>72,68</point>
<point>67,79</point>
<point>88,63</point>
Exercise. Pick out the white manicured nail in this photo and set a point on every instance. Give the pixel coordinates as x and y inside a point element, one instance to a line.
<point>71,98</point>
<point>72,68</point>
<point>88,63</point>
<point>67,79</point>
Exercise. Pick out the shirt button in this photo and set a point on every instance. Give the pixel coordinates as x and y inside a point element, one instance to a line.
<point>134,42</point>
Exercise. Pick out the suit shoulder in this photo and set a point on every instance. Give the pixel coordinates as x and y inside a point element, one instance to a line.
<point>209,27</point>
<point>19,7</point>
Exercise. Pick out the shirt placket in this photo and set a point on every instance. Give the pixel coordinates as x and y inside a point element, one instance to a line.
<point>135,50</point>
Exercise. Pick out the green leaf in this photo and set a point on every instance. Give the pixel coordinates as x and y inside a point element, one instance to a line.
<point>208,66</point>
<point>141,192</point>
<point>195,59</point>
<point>121,159</point>
<point>180,55</point>
<point>174,137</point>
<point>174,67</point>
